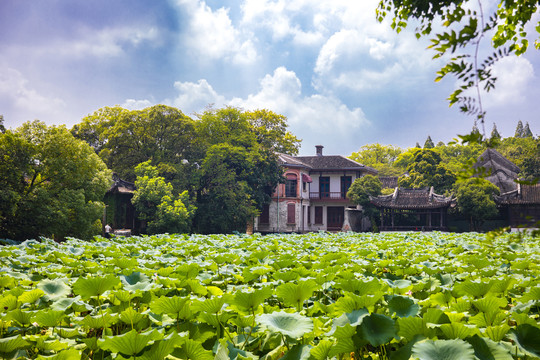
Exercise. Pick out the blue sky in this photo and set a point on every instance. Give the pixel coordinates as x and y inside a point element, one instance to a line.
<point>342,79</point>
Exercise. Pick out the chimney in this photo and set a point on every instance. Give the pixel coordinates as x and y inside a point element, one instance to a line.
<point>319,150</point>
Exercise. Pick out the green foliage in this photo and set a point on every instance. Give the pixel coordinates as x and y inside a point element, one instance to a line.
<point>525,153</point>
<point>380,157</point>
<point>495,136</point>
<point>124,139</point>
<point>240,169</point>
<point>475,200</point>
<point>364,187</point>
<point>429,143</point>
<point>386,296</point>
<point>53,184</point>
<point>156,204</point>
<point>519,130</point>
<point>426,170</point>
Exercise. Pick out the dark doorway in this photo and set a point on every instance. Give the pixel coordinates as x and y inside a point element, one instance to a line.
<point>336,216</point>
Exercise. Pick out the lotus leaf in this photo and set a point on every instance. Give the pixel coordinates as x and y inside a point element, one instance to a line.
<point>443,350</point>
<point>130,343</point>
<point>293,325</point>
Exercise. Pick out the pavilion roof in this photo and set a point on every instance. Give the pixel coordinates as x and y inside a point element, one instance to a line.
<point>411,199</point>
<point>523,195</point>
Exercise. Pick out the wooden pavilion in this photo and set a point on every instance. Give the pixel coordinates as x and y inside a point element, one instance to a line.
<point>521,206</point>
<point>413,209</point>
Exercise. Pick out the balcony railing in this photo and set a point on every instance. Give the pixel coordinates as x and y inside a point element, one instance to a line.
<point>327,195</point>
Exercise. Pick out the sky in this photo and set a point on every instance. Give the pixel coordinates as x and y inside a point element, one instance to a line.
<point>342,79</point>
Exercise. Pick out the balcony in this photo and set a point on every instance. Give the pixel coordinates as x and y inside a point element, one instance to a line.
<point>327,195</point>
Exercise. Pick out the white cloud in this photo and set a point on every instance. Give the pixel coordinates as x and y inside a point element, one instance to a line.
<point>212,34</point>
<point>133,104</point>
<point>194,97</point>
<point>106,43</point>
<point>281,92</point>
<point>25,101</point>
<point>513,76</point>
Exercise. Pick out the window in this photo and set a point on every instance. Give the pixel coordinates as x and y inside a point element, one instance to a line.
<point>345,185</point>
<point>324,186</point>
<point>264,218</point>
<point>318,215</point>
<point>290,185</point>
<point>309,214</point>
<point>291,213</point>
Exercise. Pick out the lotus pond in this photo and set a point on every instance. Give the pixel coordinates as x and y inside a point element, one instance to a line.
<point>314,296</point>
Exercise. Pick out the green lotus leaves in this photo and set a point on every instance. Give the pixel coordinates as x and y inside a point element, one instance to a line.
<point>443,349</point>
<point>69,354</point>
<point>130,343</point>
<point>377,329</point>
<point>31,296</point>
<point>476,288</point>
<point>250,301</point>
<point>486,349</point>
<point>292,325</point>
<point>173,305</point>
<point>295,294</point>
<point>527,338</point>
<point>49,318</point>
<point>94,286</point>
<point>136,281</point>
<point>8,302</point>
<point>12,343</point>
<point>316,296</point>
<point>402,306</point>
<point>54,289</point>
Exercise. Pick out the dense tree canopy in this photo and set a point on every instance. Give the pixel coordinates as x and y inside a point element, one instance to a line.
<point>427,170</point>
<point>157,205</point>
<point>53,184</point>
<point>475,200</point>
<point>124,139</point>
<point>380,157</point>
<point>240,169</point>
<point>225,159</point>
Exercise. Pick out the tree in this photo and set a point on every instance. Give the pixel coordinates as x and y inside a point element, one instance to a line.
<point>525,153</point>
<point>527,131</point>
<point>157,205</point>
<point>427,170</point>
<point>495,136</point>
<point>271,131</point>
<point>429,143</point>
<point>54,184</point>
<point>519,130</point>
<point>2,127</point>
<point>463,28</point>
<point>380,157</point>
<point>360,192</point>
<point>475,201</point>
<point>124,139</point>
<point>459,158</point>
<point>240,170</point>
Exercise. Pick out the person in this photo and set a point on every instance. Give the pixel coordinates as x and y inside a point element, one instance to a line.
<point>108,230</point>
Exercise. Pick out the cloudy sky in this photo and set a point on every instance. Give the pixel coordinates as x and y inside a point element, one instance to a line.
<point>342,79</point>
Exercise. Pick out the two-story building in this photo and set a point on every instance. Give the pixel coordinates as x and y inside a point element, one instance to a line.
<point>314,196</point>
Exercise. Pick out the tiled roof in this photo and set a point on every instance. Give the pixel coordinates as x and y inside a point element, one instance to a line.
<point>333,162</point>
<point>323,162</point>
<point>499,170</point>
<point>410,199</point>
<point>121,186</point>
<point>523,195</point>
